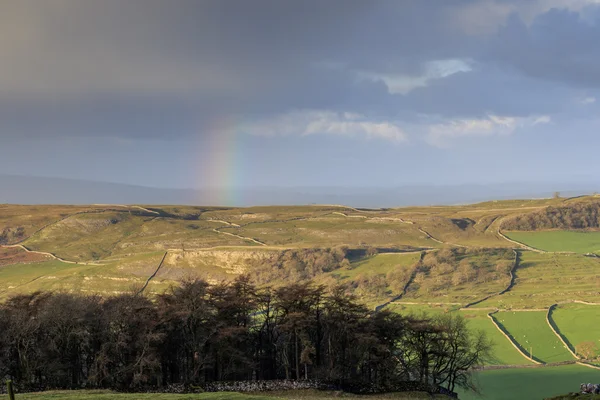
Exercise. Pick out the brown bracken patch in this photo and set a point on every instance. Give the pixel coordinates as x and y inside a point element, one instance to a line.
<point>10,256</point>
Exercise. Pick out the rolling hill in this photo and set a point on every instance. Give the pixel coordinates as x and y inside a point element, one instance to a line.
<point>524,271</point>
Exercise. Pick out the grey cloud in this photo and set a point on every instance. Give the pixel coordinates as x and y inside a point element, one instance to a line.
<point>159,68</point>
<point>559,46</point>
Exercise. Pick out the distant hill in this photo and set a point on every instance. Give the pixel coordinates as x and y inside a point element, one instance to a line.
<point>42,190</point>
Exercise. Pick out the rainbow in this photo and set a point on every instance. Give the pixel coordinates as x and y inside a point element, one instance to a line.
<point>220,167</point>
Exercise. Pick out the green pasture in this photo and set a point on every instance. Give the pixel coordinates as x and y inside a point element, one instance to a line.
<point>578,323</point>
<point>117,276</point>
<point>531,331</point>
<point>26,278</point>
<point>530,383</point>
<point>504,352</point>
<point>543,279</point>
<point>581,242</point>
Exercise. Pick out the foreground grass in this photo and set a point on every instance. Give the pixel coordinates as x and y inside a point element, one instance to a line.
<point>567,241</point>
<point>283,395</point>
<point>531,383</point>
<point>106,395</point>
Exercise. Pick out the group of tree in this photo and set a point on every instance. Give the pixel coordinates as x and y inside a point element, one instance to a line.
<point>576,215</point>
<point>299,264</point>
<point>199,333</point>
<point>449,268</point>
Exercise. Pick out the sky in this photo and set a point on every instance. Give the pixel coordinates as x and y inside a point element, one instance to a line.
<point>296,93</point>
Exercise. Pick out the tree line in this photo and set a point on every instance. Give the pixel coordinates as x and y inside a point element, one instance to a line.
<point>576,215</point>
<point>198,333</point>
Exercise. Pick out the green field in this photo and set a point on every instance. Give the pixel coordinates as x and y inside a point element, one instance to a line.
<point>531,383</point>
<point>287,395</point>
<point>581,242</point>
<point>504,352</point>
<point>578,323</point>
<point>532,333</point>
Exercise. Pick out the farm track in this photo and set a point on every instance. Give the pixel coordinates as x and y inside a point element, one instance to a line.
<point>487,228</point>
<point>126,206</point>
<point>51,255</point>
<point>240,237</point>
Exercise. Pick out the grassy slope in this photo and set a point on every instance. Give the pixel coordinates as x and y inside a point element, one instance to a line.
<point>466,292</point>
<point>545,279</point>
<point>531,383</point>
<point>581,242</point>
<point>578,323</point>
<point>335,229</point>
<point>531,331</point>
<point>395,267</point>
<point>122,276</point>
<point>32,218</point>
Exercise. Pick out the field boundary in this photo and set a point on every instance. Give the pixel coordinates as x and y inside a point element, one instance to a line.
<point>512,340</point>
<point>556,331</point>
<point>587,303</point>
<point>430,236</point>
<point>47,254</point>
<point>406,285</point>
<point>153,274</point>
<point>510,283</point>
<point>240,237</point>
<point>520,244</point>
<point>587,365</point>
<point>556,364</point>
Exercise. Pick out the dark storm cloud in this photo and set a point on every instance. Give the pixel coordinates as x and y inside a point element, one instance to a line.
<point>147,68</point>
<point>559,45</point>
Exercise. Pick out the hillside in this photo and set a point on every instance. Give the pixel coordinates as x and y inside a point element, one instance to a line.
<point>447,254</point>
<point>520,270</point>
